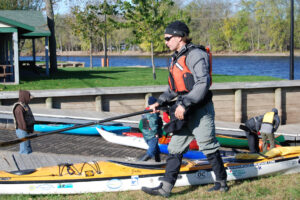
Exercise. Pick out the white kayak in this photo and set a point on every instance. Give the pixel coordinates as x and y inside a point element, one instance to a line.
<point>139,142</point>
<point>111,176</point>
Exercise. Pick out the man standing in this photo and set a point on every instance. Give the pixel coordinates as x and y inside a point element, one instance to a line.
<point>24,120</point>
<point>270,124</point>
<point>189,81</point>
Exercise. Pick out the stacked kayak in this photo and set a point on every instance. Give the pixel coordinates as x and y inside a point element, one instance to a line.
<point>110,176</point>
<point>90,130</point>
<point>225,141</point>
<point>139,142</point>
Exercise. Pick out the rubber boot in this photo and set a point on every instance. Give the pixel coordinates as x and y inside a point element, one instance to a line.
<point>219,186</point>
<point>218,168</point>
<point>164,189</point>
<point>172,168</point>
<point>157,158</point>
<point>253,142</point>
<point>145,157</point>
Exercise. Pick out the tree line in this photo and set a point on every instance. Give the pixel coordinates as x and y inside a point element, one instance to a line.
<point>249,25</point>
<point>224,25</point>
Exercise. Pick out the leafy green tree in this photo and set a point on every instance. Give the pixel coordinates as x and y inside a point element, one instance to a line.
<point>148,19</point>
<point>107,24</point>
<point>228,31</point>
<point>241,35</point>
<point>21,4</point>
<point>85,25</point>
<point>66,39</point>
<point>270,21</point>
<point>92,22</point>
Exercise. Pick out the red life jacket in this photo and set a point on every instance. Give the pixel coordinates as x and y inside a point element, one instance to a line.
<point>181,78</point>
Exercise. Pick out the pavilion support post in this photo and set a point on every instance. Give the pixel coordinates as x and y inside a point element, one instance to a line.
<point>46,55</point>
<point>16,57</point>
<point>33,51</point>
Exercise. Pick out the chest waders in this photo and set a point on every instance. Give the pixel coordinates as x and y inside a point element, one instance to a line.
<point>181,80</point>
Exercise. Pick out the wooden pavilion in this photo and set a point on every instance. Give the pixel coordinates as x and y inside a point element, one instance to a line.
<point>16,25</point>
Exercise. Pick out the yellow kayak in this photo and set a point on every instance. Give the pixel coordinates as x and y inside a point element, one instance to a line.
<point>108,176</point>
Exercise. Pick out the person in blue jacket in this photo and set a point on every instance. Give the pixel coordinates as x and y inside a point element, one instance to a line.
<point>151,129</point>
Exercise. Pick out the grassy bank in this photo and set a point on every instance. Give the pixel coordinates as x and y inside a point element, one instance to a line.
<point>276,187</point>
<point>106,77</point>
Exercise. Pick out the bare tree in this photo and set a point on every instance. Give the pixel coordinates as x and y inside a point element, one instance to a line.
<point>52,40</point>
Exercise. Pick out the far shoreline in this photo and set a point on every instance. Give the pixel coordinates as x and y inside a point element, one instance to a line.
<point>138,53</point>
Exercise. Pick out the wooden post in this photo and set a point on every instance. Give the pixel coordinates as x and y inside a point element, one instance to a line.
<point>47,56</point>
<point>278,102</point>
<point>33,51</point>
<point>238,106</point>
<point>103,62</point>
<point>98,102</point>
<point>49,102</point>
<point>16,57</point>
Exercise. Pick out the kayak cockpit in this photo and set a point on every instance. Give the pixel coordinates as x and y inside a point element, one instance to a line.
<point>23,172</point>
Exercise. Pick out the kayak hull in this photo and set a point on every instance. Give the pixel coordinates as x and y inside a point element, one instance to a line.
<point>110,176</point>
<point>139,142</point>
<point>90,130</point>
<point>225,141</point>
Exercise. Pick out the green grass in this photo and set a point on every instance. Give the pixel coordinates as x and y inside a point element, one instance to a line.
<point>107,77</point>
<point>276,187</point>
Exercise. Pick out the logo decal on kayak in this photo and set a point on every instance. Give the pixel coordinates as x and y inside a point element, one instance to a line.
<point>65,185</point>
<point>201,174</point>
<point>237,172</point>
<point>114,184</point>
<point>89,173</point>
<point>134,180</point>
<point>43,187</point>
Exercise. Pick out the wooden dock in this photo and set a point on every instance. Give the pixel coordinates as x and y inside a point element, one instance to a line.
<point>64,64</point>
<point>56,149</point>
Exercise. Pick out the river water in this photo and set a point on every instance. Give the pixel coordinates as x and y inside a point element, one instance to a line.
<point>276,66</point>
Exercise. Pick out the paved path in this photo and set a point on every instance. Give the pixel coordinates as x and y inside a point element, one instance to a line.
<point>61,148</point>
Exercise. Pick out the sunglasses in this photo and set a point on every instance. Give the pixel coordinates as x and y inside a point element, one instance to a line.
<point>168,38</point>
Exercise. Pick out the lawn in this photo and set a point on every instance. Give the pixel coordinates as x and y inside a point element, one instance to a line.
<point>106,77</point>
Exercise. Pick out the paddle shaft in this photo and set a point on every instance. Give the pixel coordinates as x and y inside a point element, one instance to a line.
<point>17,141</point>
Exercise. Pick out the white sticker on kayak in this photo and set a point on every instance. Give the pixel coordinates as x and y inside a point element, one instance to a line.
<point>134,180</point>
<point>114,184</point>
